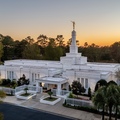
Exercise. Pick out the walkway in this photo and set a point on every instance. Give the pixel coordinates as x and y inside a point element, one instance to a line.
<point>55,109</point>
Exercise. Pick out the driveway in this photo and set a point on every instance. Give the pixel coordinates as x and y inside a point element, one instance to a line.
<point>13,112</point>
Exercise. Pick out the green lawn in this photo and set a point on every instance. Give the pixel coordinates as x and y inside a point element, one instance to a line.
<point>51,99</point>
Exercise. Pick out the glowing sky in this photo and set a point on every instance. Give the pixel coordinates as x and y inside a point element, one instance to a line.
<point>97,21</point>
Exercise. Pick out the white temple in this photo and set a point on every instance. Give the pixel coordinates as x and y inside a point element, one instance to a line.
<point>60,74</point>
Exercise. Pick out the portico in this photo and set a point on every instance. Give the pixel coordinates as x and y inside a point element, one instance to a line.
<point>53,82</point>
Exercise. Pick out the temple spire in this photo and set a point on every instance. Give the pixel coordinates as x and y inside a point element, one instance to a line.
<point>73,22</point>
<point>73,46</point>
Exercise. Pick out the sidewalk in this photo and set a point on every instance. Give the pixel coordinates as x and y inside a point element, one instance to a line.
<point>55,109</point>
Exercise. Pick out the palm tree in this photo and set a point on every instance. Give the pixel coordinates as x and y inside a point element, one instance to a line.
<point>117,104</point>
<point>112,95</point>
<point>99,99</point>
<point>100,83</point>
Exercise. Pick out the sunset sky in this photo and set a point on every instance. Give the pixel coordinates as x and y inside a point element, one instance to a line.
<point>97,21</point>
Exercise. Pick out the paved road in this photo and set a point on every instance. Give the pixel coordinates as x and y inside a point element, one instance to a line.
<point>13,112</point>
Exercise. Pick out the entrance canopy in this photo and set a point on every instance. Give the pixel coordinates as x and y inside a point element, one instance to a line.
<point>52,80</point>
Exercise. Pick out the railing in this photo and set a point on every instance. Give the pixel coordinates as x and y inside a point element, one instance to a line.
<point>61,92</point>
<point>8,90</point>
<point>76,102</point>
<point>54,91</point>
<point>64,92</point>
<point>21,88</point>
<point>30,87</point>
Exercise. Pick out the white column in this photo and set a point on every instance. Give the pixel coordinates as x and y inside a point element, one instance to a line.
<point>37,85</point>
<point>58,89</point>
<point>67,86</point>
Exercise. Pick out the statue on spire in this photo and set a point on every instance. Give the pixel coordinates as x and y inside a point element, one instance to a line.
<point>73,22</point>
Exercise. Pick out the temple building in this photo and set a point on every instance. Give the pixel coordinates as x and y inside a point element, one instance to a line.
<point>60,74</point>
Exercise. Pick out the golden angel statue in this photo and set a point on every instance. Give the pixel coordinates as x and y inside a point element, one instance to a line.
<point>73,24</point>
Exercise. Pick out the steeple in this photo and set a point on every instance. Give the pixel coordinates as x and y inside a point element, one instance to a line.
<point>73,57</point>
<point>73,46</point>
<point>73,24</point>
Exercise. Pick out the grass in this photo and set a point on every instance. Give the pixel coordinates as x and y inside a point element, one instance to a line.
<point>51,99</point>
<point>24,94</point>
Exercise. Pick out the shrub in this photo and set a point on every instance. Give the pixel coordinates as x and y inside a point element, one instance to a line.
<point>71,95</point>
<point>13,84</point>
<point>89,93</point>
<point>1,82</point>
<point>77,88</point>
<point>50,93</point>
<point>69,88</point>
<point>88,109</point>
<point>6,81</point>
<point>26,89</point>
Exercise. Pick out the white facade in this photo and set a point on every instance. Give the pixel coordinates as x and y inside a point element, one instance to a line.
<point>71,67</point>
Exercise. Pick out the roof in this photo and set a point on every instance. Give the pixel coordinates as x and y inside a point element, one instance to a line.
<point>53,80</point>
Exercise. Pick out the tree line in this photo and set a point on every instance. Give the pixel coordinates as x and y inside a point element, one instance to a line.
<point>47,48</point>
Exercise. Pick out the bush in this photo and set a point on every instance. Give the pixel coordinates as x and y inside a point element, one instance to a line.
<point>77,88</point>
<point>0,82</point>
<point>13,84</point>
<point>69,88</point>
<point>88,109</point>
<point>50,94</point>
<point>6,81</point>
<point>101,82</point>
<point>26,89</point>
<point>89,93</point>
<point>71,95</point>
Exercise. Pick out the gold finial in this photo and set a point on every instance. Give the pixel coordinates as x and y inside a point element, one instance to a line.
<point>73,24</point>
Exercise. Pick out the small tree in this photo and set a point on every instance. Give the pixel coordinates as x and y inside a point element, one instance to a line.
<point>13,84</point>
<point>69,88</point>
<point>22,80</point>
<point>89,93</point>
<point>77,88</point>
<point>26,89</point>
<point>99,99</point>
<point>50,94</point>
